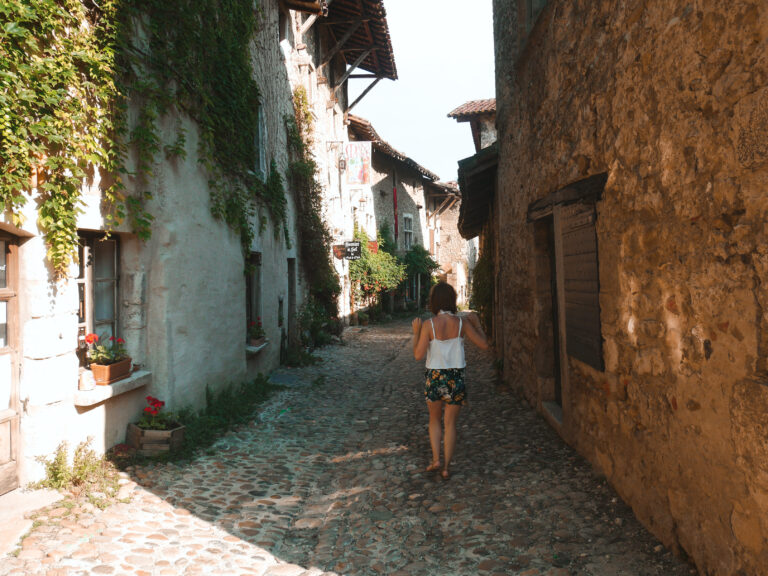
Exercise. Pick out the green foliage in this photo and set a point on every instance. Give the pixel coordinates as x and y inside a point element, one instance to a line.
<point>418,261</point>
<point>88,473</point>
<point>481,296</point>
<point>314,237</point>
<point>386,239</point>
<point>111,351</point>
<point>374,273</point>
<point>316,323</point>
<point>57,92</point>
<point>68,70</point>
<point>297,356</point>
<point>194,57</point>
<point>58,472</point>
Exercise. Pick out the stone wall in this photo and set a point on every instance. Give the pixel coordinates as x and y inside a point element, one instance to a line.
<point>453,253</point>
<point>181,294</point>
<point>669,98</point>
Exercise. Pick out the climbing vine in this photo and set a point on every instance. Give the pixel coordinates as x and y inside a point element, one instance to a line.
<point>84,87</point>
<point>314,237</point>
<point>482,294</point>
<point>57,95</point>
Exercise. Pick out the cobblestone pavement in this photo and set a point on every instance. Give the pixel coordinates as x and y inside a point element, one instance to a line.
<point>328,479</point>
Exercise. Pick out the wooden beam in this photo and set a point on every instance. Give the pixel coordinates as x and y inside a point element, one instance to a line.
<point>358,48</point>
<point>308,24</point>
<point>348,21</point>
<point>352,68</point>
<point>358,76</point>
<point>365,92</point>
<point>304,6</point>
<point>333,51</point>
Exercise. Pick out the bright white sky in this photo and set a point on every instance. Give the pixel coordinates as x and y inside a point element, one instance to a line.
<point>444,57</point>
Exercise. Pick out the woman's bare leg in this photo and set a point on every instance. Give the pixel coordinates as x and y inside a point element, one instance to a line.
<point>451,414</point>
<point>435,431</point>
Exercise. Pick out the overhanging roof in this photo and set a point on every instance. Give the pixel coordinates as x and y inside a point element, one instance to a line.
<point>362,129</point>
<point>473,108</point>
<point>372,33</point>
<point>587,190</point>
<point>477,181</point>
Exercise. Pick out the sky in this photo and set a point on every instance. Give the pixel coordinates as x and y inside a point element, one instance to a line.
<point>444,57</point>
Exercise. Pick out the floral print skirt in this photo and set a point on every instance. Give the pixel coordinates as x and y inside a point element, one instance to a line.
<point>446,384</point>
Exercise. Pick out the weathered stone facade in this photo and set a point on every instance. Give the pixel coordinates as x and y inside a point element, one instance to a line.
<point>181,296</point>
<point>670,100</point>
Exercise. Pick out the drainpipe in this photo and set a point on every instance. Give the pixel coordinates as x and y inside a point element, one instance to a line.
<point>394,200</point>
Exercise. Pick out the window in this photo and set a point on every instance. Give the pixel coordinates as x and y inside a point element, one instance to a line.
<point>97,284</point>
<point>411,288</point>
<point>581,284</point>
<point>261,144</point>
<point>407,231</point>
<point>253,288</point>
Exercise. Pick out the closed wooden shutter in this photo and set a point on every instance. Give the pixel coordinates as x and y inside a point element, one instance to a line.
<point>582,287</point>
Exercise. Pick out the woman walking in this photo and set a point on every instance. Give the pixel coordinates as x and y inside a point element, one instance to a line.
<point>441,339</point>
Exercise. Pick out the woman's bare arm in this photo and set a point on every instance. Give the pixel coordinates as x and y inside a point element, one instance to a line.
<point>420,339</point>
<point>474,331</point>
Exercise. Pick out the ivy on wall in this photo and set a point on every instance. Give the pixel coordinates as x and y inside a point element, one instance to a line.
<point>314,237</point>
<point>68,71</point>
<point>374,272</point>
<point>57,95</point>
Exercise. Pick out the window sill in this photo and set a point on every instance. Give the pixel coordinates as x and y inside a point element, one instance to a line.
<point>254,350</point>
<point>101,393</point>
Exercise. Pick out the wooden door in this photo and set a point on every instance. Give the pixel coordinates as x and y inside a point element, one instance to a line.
<point>9,398</point>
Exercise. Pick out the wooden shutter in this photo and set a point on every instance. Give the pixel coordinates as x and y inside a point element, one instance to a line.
<point>582,287</point>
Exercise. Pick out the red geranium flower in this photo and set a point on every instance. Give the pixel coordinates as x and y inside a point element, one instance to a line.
<point>91,338</point>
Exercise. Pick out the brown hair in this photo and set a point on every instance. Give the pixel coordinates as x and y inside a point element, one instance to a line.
<point>442,297</point>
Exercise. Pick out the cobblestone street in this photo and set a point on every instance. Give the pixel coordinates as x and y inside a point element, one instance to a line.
<point>328,478</point>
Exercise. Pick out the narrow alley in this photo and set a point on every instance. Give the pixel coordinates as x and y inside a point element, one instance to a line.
<point>328,478</point>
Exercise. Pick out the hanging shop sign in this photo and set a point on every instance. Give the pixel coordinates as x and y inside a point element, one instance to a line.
<point>352,250</point>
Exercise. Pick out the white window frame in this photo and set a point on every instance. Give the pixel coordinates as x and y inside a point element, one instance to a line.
<point>407,231</point>
<point>261,143</point>
<point>253,289</point>
<point>87,293</point>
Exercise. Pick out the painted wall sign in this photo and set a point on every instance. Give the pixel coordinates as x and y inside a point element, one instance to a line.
<point>359,163</point>
<point>339,251</point>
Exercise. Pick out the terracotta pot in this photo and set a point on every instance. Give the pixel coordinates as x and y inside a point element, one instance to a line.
<point>257,341</point>
<point>153,442</point>
<point>105,374</point>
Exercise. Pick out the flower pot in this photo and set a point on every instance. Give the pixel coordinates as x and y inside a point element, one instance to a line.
<point>257,341</point>
<point>154,442</point>
<point>105,374</point>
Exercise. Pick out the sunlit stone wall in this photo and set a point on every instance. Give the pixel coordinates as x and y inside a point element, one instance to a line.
<point>670,99</point>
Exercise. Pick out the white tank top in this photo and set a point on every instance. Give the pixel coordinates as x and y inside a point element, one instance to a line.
<point>445,353</point>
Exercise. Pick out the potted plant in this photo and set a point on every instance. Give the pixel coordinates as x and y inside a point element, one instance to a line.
<point>109,362</point>
<point>363,317</point>
<point>256,335</point>
<point>157,431</point>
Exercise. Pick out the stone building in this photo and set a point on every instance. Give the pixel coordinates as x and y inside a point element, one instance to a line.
<point>180,299</point>
<point>632,167</point>
<point>395,198</point>
<point>455,255</point>
<point>478,217</point>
